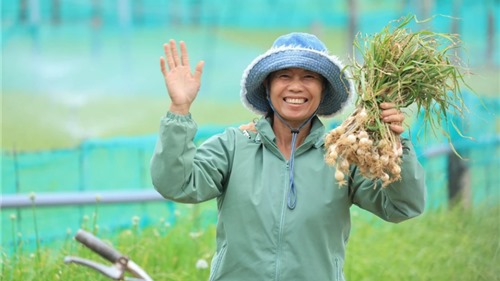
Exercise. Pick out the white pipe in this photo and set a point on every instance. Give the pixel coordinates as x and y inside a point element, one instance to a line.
<point>77,198</point>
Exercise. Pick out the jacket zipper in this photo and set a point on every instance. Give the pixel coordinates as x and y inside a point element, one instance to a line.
<point>337,270</point>
<point>215,270</point>
<point>281,226</point>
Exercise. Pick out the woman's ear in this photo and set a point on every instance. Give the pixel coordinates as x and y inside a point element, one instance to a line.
<point>267,82</point>
<point>323,90</point>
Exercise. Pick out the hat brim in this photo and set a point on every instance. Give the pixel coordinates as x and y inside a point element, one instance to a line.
<point>338,90</point>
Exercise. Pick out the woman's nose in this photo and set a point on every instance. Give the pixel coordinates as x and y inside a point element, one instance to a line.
<point>295,84</point>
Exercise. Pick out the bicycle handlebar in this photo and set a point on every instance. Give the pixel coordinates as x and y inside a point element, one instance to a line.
<point>95,244</point>
<point>120,262</point>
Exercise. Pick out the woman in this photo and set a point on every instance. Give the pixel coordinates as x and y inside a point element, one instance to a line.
<point>282,215</point>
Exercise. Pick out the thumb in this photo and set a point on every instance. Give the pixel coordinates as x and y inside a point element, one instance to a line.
<point>199,70</point>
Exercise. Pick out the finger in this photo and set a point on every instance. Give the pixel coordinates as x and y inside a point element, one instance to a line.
<point>184,54</point>
<point>389,112</point>
<point>248,127</point>
<point>162,66</point>
<point>244,127</point>
<point>387,105</point>
<point>175,54</point>
<point>168,55</point>
<point>199,70</point>
<point>394,118</point>
<point>397,129</point>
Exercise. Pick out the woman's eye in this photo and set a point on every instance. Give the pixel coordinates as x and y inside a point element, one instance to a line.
<point>311,77</point>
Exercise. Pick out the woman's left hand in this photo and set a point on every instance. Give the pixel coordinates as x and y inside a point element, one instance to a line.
<point>393,116</point>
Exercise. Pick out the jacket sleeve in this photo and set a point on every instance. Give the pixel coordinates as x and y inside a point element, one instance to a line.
<point>398,201</point>
<point>182,172</point>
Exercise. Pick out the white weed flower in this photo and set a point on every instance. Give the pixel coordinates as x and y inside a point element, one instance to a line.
<point>201,264</point>
<point>135,220</point>
<point>195,235</point>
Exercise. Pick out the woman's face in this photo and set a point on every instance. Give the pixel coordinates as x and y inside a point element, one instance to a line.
<point>295,94</point>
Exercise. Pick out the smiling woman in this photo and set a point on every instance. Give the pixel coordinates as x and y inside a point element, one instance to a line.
<point>275,194</point>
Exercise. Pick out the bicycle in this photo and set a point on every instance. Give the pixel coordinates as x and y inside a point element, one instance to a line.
<point>121,263</point>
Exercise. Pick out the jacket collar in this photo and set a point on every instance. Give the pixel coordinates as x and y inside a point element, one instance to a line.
<point>315,137</point>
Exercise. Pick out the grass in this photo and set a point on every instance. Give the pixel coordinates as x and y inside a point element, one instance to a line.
<point>440,245</point>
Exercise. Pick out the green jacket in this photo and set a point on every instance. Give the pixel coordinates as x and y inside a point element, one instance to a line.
<point>258,237</point>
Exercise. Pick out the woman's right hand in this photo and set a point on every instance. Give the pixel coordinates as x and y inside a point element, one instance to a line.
<point>182,85</point>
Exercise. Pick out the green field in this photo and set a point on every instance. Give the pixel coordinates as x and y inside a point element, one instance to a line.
<point>39,123</point>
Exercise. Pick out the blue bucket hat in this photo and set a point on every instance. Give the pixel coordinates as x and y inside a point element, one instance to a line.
<point>300,50</point>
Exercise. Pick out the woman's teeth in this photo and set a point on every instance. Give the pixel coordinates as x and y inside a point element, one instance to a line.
<point>295,100</point>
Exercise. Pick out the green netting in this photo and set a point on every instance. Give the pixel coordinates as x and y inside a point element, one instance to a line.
<point>479,147</point>
<point>96,165</point>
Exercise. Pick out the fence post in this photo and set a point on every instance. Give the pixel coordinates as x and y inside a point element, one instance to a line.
<point>459,190</point>
<point>81,182</point>
<point>18,187</point>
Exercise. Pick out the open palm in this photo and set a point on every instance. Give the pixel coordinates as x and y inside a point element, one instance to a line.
<point>182,85</point>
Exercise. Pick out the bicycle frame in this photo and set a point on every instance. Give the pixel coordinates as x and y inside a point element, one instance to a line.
<point>120,263</point>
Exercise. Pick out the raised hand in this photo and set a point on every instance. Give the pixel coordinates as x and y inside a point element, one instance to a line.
<point>182,85</point>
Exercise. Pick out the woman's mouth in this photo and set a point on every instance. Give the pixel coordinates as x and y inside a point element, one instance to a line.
<point>295,100</point>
